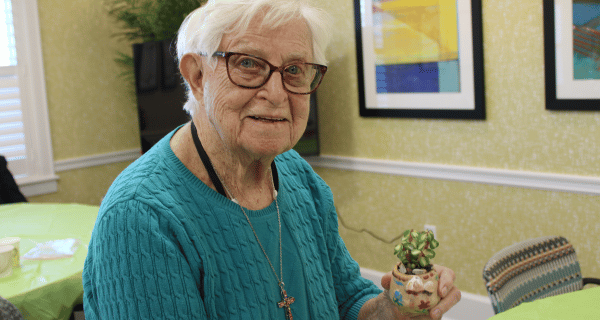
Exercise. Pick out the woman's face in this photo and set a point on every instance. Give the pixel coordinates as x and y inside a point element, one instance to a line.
<point>265,121</point>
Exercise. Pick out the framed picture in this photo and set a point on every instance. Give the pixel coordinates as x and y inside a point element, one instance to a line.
<point>420,58</point>
<point>572,51</point>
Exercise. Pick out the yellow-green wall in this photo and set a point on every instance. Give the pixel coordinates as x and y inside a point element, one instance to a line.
<point>473,220</point>
<point>92,111</point>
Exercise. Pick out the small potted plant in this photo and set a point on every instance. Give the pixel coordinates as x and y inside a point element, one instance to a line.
<point>414,286</point>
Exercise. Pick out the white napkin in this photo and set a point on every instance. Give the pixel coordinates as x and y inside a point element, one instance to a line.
<point>54,249</point>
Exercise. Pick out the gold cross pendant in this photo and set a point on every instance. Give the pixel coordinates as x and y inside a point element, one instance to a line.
<point>285,303</point>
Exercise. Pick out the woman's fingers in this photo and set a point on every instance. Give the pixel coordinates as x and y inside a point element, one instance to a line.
<point>451,299</point>
<point>447,277</point>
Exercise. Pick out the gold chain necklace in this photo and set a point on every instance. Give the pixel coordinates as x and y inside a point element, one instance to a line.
<point>286,301</point>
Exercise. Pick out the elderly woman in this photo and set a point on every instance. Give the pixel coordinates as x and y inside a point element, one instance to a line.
<point>220,219</point>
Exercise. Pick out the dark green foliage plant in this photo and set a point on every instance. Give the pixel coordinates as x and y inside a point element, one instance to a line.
<point>148,20</point>
<point>416,249</point>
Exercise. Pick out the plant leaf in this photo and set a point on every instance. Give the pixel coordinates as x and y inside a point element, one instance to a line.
<point>429,253</point>
<point>397,248</point>
<point>430,236</point>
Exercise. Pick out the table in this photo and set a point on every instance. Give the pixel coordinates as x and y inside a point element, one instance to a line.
<point>583,304</point>
<point>46,289</point>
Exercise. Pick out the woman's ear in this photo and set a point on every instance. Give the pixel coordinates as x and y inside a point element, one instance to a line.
<point>190,67</point>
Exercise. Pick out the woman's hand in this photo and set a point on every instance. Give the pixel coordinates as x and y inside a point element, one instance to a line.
<point>382,308</point>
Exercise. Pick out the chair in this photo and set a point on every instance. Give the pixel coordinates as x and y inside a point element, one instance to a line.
<point>9,191</point>
<point>533,269</point>
<point>8,311</point>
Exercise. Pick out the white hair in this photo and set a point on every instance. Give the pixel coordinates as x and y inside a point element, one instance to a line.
<point>204,28</point>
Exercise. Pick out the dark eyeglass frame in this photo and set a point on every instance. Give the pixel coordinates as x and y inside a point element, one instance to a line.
<point>272,68</point>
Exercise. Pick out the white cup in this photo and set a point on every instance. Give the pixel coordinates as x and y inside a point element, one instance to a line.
<point>6,260</point>
<point>13,241</point>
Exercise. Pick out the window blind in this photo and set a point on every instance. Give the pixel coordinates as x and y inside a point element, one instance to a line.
<point>24,125</point>
<point>12,136</point>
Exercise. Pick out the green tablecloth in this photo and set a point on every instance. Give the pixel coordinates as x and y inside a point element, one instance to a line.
<point>583,304</point>
<point>46,289</point>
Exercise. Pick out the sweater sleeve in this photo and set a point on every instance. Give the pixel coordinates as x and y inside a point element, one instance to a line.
<point>136,268</point>
<point>352,290</point>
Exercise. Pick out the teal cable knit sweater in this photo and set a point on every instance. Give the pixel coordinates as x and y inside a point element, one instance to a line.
<point>166,246</point>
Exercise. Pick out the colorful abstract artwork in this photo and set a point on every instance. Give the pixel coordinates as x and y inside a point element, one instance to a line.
<point>420,58</point>
<point>572,54</point>
<point>586,39</point>
<point>416,46</point>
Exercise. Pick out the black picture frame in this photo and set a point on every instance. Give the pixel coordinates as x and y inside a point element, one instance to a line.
<point>568,94</point>
<point>432,106</point>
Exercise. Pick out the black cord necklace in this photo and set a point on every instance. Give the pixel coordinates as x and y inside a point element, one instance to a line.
<point>211,170</point>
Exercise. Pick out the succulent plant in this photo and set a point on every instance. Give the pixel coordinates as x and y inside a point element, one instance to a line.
<point>416,249</point>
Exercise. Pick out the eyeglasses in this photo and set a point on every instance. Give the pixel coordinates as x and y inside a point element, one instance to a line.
<point>248,71</point>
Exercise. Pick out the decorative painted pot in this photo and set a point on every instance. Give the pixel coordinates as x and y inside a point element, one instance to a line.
<point>415,294</point>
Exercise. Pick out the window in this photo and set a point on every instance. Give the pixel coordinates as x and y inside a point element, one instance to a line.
<point>24,127</point>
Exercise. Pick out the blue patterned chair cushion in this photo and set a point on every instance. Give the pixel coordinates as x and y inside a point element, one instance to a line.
<point>531,270</point>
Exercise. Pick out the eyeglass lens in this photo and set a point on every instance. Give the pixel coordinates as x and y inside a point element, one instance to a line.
<point>252,72</point>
